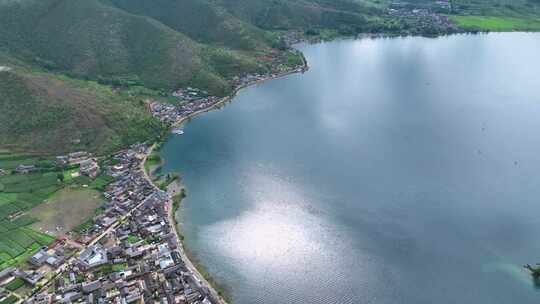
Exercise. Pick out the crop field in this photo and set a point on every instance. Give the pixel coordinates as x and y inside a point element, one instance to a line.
<point>9,300</point>
<point>18,194</point>
<point>15,284</point>
<point>10,161</point>
<point>497,24</point>
<point>21,192</point>
<point>18,241</point>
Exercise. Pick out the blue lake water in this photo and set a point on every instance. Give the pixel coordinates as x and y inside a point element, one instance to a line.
<point>403,170</point>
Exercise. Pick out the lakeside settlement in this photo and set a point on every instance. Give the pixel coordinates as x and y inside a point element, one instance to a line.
<point>195,101</point>
<point>131,253</point>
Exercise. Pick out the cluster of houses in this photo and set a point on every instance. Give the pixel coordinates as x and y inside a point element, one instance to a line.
<point>193,99</point>
<point>88,165</point>
<point>172,114</point>
<point>43,262</point>
<point>278,70</point>
<point>190,94</point>
<point>428,15</point>
<point>130,254</point>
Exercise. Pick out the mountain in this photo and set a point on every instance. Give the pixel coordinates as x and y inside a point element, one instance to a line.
<point>72,59</point>
<point>88,39</point>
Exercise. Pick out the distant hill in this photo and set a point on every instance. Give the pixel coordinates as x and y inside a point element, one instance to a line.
<point>61,49</point>
<point>88,39</point>
<point>201,20</point>
<point>157,43</point>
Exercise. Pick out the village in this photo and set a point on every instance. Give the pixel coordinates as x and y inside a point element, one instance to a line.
<point>426,17</point>
<point>193,100</point>
<point>130,254</point>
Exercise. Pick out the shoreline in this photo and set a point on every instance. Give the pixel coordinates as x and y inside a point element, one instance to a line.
<point>235,91</point>
<point>171,210</point>
<point>209,288</point>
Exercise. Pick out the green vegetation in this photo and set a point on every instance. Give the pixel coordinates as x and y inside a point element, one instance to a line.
<point>44,113</point>
<point>101,181</point>
<point>106,269</point>
<point>81,69</point>
<point>18,242</point>
<point>119,267</point>
<point>497,24</point>
<point>152,161</point>
<point>21,192</point>
<point>496,15</point>
<point>47,199</point>
<point>132,239</point>
<point>9,161</point>
<point>18,194</point>
<point>10,300</point>
<point>15,284</point>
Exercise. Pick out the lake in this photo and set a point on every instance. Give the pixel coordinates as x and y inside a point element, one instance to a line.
<point>395,170</point>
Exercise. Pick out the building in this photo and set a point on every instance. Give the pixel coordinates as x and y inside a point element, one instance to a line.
<point>43,256</point>
<point>39,258</point>
<point>25,169</point>
<point>89,167</point>
<point>62,160</point>
<point>93,256</point>
<point>78,157</point>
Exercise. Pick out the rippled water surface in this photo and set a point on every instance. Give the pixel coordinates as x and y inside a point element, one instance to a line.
<point>399,170</point>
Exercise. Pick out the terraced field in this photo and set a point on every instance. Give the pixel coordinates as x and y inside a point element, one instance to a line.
<point>18,241</point>
<point>18,194</point>
<point>21,192</point>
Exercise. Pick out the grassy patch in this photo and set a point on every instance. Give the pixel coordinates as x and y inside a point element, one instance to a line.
<point>497,24</point>
<point>15,284</point>
<point>9,300</point>
<point>101,181</point>
<point>152,161</point>
<point>132,239</point>
<point>119,267</point>
<point>18,242</point>
<point>66,210</point>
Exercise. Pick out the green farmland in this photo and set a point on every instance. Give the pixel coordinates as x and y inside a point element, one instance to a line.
<point>48,199</point>
<point>18,194</point>
<point>18,241</point>
<point>497,24</point>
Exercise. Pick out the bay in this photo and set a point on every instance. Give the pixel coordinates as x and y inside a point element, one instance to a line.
<point>395,170</point>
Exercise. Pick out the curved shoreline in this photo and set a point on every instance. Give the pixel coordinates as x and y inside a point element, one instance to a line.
<point>211,289</point>
<point>235,92</point>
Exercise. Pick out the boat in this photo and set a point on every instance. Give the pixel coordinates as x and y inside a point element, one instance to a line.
<point>178,131</point>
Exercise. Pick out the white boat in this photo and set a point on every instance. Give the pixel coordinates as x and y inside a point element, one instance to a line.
<point>178,131</point>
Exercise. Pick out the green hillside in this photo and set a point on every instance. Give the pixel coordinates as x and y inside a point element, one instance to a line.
<point>74,60</point>
<point>296,14</point>
<point>201,20</point>
<point>87,39</point>
<point>44,113</point>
